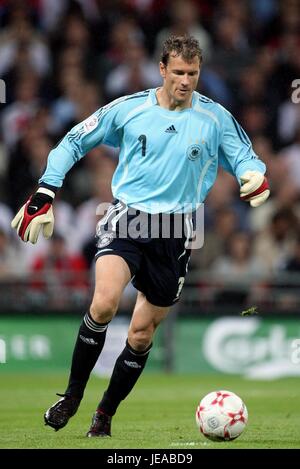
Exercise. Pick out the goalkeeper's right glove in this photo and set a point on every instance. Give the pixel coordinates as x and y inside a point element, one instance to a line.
<point>35,214</point>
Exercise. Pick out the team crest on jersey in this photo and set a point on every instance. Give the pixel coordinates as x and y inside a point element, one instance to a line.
<point>90,123</point>
<point>193,152</point>
<point>105,240</point>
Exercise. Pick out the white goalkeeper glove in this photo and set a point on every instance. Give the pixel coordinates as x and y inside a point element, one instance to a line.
<point>255,188</point>
<point>35,214</point>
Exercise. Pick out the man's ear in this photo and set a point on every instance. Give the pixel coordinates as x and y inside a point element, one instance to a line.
<point>162,69</point>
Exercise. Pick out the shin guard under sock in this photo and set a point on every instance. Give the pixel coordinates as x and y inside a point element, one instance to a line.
<point>127,369</point>
<point>89,344</point>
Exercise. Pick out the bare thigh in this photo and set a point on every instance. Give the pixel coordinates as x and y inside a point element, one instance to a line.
<point>112,276</point>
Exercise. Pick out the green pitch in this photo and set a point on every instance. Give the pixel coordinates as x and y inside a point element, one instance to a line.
<point>158,414</point>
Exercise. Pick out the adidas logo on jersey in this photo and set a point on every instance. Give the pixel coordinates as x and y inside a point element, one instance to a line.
<point>171,130</point>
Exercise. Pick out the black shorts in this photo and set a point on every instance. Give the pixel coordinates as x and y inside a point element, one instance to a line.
<point>158,265</point>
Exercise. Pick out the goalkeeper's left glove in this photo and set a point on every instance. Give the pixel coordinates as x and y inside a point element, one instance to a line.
<point>35,214</point>
<point>255,188</point>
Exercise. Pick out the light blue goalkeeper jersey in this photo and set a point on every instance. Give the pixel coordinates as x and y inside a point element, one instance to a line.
<point>168,160</point>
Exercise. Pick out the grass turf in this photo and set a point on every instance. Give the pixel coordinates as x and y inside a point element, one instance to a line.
<point>159,413</point>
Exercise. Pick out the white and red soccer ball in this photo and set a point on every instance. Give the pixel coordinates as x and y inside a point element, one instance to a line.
<point>221,416</point>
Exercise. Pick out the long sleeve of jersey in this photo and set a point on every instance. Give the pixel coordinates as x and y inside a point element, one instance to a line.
<point>100,127</point>
<point>236,154</point>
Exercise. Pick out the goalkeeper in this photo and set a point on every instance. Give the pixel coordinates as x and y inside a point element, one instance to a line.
<point>172,140</point>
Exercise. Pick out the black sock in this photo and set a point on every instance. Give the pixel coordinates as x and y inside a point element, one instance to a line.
<point>89,344</point>
<point>127,369</point>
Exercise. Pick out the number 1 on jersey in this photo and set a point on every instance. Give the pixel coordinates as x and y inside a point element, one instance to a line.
<point>143,140</point>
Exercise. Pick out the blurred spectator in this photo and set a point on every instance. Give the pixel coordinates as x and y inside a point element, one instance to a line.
<point>79,99</point>
<point>255,119</point>
<point>16,116</point>
<point>74,33</point>
<point>287,285</point>
<point>225,195</point>
<point>22,47</point>
<point>280,185</point>
<point>290,159</point>
<point>57,259</point>
<point>122,32</point>
<point>27,163</point>
<point>288,121</point>
<point>11,264</point>
<point>224,224</point>
<point>137,72</point>
<point>235,270</point>
<point>276,243</point>
<point>89,100</point>
<point>292,263</point>
<point>252,86</point>
<point>212,84</point>
<point>6,216</point>
<point>264,11</point>
<point>62,277</point>
<point>3,165</point>
<point>224,192</point>
<point>239,264</point>
<point>102,167</point>
<point>287,69</point>
<point>70,83</point>
<point>50,12</point>
<point>232,52</point>
<point>185,19</point>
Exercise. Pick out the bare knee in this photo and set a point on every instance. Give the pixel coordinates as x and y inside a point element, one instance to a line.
<point>103,307</point>
<point>140,338</point>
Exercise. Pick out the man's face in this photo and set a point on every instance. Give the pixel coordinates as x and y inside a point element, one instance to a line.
<point>180,77</point>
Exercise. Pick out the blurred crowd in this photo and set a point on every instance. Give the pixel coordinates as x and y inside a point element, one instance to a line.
<point>61,60</point>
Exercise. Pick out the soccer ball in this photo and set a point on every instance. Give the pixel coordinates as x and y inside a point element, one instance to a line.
<point>221,416</point>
